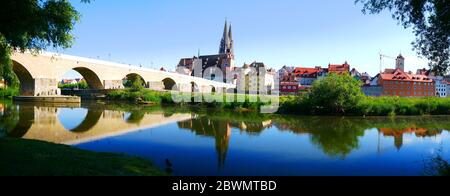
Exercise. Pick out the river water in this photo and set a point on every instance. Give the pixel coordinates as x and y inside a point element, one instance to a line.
<point>189,142</point>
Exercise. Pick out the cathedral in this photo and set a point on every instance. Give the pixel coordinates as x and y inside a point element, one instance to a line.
<point>223,60</point>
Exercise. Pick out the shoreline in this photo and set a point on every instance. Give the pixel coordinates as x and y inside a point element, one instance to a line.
<point>22,157</point>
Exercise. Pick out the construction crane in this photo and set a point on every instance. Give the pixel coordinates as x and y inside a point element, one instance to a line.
<point>383,56</point>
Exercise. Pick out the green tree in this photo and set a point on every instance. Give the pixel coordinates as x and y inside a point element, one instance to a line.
<point>137,84</point>
<point>33,25</point>
<point>430,20</point>
<point>335,94</point>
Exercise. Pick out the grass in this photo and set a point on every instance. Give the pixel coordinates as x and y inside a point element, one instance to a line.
<point>159,98</point>
<point>300,105</point>
<point>143,95</point>
<point>375,106</point>
<point>34,158</point>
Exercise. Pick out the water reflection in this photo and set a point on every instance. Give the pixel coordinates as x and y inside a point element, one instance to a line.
<point>68,124</point>
<point>334,137</point>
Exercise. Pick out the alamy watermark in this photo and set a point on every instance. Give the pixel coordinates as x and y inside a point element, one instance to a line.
<point>249,85</point>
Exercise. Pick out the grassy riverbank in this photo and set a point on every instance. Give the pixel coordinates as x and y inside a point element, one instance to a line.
<point>140,95</point>
<point>207,101</point>
<point>302,104</point>
<point>26,157</point>
<point>372,106</point>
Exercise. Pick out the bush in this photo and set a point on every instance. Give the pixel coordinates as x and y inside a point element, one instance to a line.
<point>80,85</point>
<point>335,94</point>
<point>143,95</point>
<point>339,94</point>
<point>9,92</point>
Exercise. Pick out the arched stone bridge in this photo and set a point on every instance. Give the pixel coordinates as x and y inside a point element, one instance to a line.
<point>40,74</point>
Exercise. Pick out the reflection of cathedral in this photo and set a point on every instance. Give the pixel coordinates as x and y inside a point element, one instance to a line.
<point>221,131</point>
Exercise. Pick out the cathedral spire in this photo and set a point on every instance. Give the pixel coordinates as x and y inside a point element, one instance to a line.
<point>225,42</point>
<point>230,34</point>
<point>225,30</point>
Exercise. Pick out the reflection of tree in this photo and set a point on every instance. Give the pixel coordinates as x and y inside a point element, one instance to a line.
<point>339,136</point>
<point>16,121</point>
<point>136,116</point>
<point>335,136</point>
<point>8,119</point>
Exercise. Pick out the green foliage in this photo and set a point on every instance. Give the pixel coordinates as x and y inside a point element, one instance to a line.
<point>430,20</point>
<point>338,94</point>
<point>437,165</point>
<point>143,95</point>
<point>9,93</point>
<point>137,84</point>
<point>334,94</point>
<point>33,25</point>
<point>382,106</point>
<point>79,85</point>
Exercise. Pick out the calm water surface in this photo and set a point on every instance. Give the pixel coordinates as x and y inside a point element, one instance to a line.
<point>228,143</point>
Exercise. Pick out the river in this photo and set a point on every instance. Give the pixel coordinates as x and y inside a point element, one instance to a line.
<point>192,142</point>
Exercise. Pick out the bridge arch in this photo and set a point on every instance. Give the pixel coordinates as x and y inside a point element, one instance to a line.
<point>89,121</point>
<point>169,84</point>
<point>90,77</point>
<point>129,78</point>
<point>25,78</point>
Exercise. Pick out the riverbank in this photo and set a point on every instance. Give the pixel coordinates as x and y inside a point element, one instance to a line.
<point>27,157</point>
<point>372,106</point>
<point>302,104</point>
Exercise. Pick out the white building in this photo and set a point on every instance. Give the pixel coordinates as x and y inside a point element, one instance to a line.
<point>448,89</point>
<point>441,86</point>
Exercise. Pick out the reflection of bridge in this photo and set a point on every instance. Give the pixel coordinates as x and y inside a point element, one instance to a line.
<point>42,123</point>
<point>39,75</point>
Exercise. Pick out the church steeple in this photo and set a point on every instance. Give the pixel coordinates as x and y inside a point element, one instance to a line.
<point>226,44</point>
<point>230,37</point>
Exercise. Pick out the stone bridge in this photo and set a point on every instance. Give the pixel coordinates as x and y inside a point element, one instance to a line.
<point>40,74</point>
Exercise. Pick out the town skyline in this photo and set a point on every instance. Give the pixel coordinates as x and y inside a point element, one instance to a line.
<point>291,38</point>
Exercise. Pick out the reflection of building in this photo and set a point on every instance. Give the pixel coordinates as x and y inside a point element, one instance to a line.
<point>399,134</point>
<point>221,131</point>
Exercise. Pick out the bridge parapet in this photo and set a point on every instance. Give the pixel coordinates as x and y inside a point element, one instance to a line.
<point>39,74</point>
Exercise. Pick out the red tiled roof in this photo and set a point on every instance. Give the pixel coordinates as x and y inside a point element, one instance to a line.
<point>333,68</point>
<point>400,75</point>
<point>310,72</point>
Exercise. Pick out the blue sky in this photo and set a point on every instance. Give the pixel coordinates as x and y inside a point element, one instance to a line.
<point>308,33</point>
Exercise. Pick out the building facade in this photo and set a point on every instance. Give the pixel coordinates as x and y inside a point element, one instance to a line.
<point>399,83</point>
<point>307,76</point>
<point>339,69</point>
<point>441,86</point>
<point>260,70</point>
<point>224,60</point>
